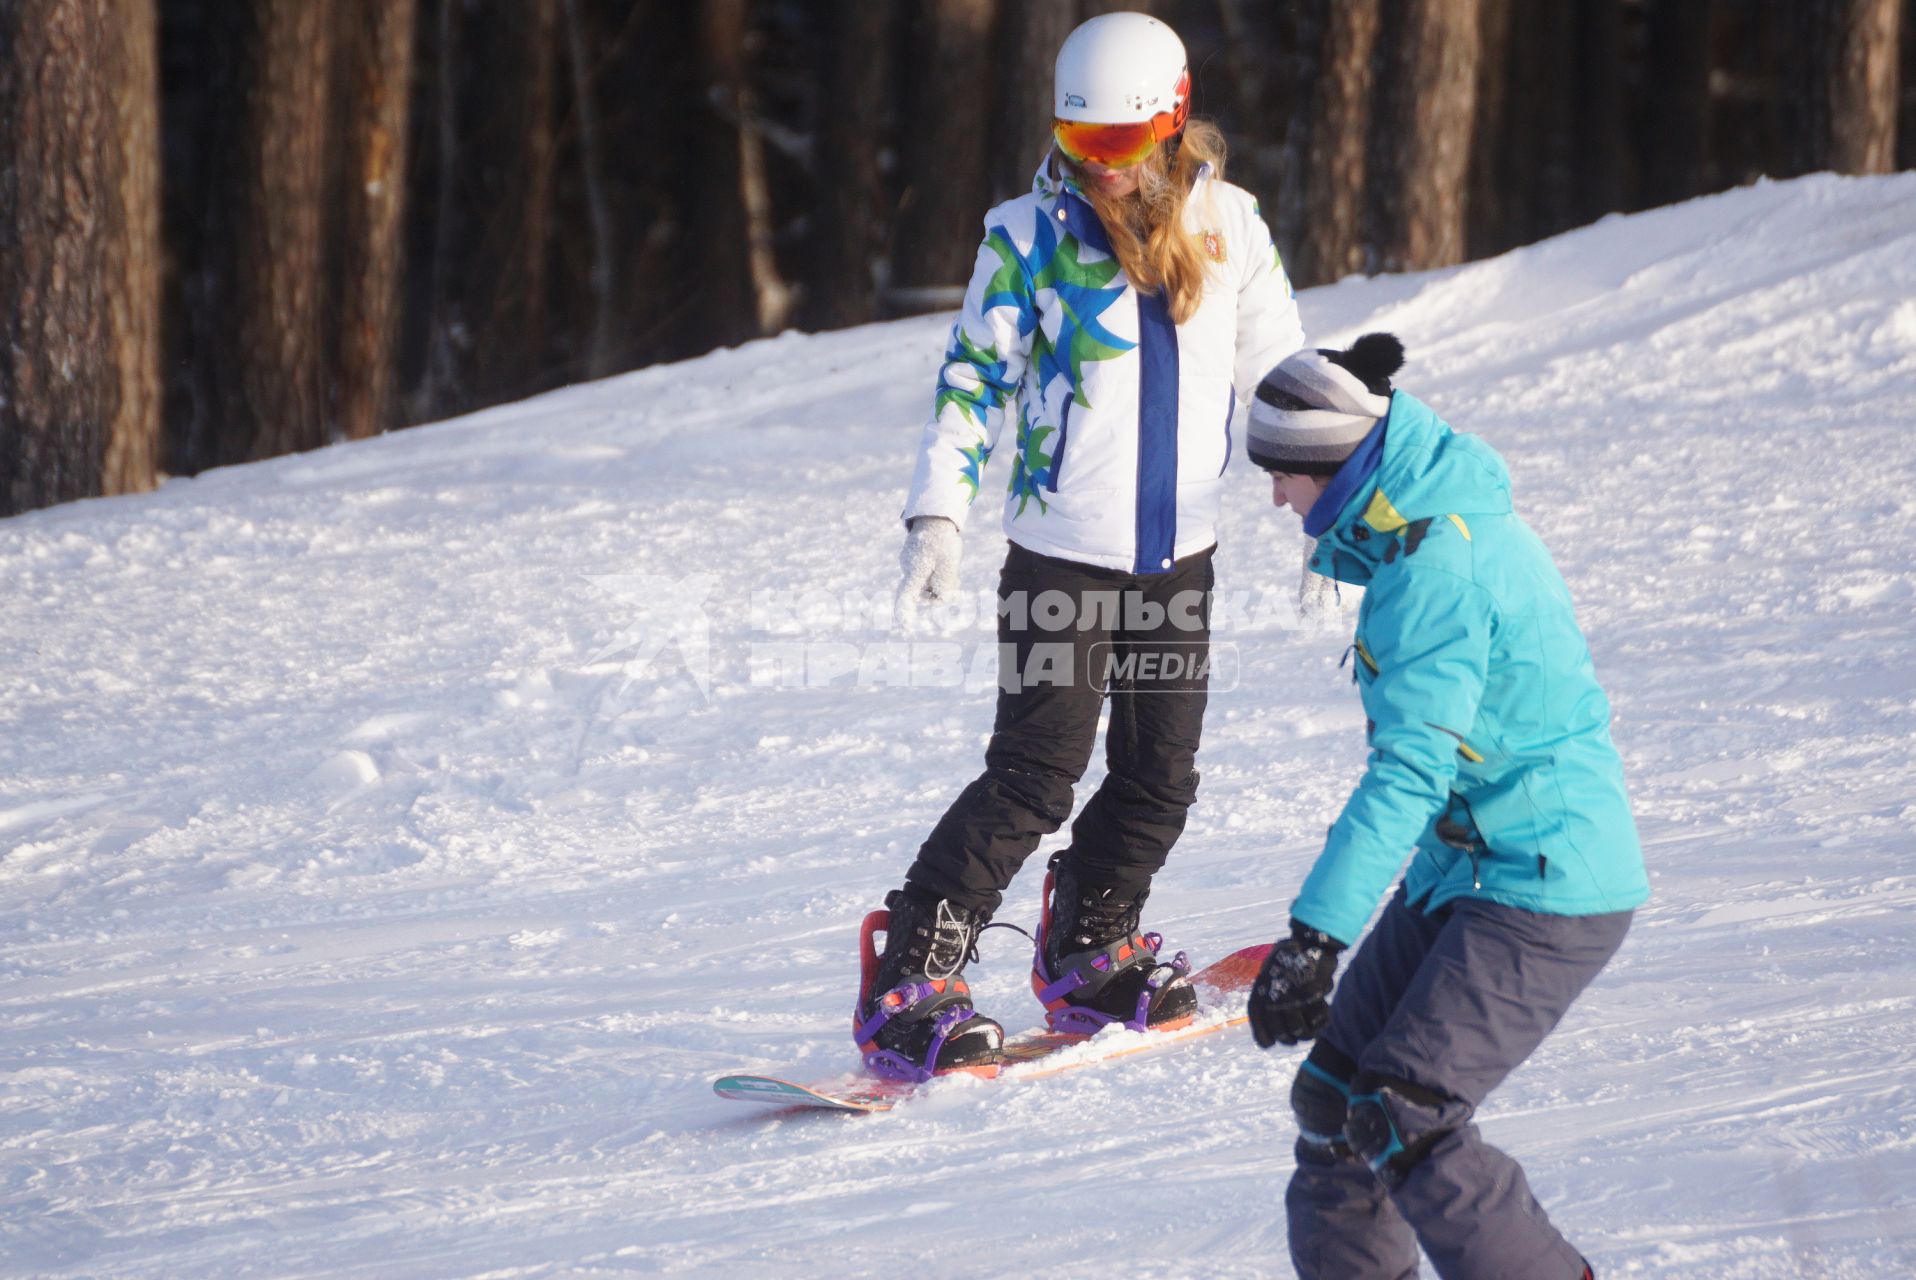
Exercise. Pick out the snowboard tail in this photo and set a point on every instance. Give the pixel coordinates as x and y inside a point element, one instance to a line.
<point>1028,1057</point>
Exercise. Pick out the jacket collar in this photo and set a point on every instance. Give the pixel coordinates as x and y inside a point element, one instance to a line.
<point>1424,471</point>
<point>1355,474</point>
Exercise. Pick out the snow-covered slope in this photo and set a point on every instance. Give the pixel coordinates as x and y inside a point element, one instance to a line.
<point>362,915</point>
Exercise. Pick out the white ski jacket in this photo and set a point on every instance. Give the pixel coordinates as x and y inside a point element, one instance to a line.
<point>1123,419</point>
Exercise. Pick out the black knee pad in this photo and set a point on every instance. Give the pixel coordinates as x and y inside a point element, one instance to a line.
<point>1393,1124</point>
<point>1320,1098</point>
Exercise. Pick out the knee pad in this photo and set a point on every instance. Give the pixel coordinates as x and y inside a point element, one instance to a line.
<point>1320,1099</point>
<point>1393,1124</point>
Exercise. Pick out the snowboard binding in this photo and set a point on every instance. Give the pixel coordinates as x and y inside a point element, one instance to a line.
<point>1117,978</point>
<point>921,1026</point>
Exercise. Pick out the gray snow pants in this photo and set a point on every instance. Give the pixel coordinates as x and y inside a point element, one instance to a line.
<point>1433,1013</point>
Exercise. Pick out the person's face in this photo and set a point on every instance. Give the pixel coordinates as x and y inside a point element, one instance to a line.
<point>1299,493</point>
<point>1116,183</point>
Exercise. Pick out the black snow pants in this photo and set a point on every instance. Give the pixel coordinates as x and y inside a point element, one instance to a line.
<point>1434,1011</point>
<point>1069,637</point>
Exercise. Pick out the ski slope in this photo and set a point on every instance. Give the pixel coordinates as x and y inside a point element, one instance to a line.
<point>396,839</point>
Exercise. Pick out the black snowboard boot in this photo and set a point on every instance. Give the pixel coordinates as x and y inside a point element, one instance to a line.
<point>1093,967</point>
<point>914,1018</point>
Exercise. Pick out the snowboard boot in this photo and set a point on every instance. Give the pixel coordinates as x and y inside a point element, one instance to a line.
<point>1093,967</point>
<point>914,1018</point>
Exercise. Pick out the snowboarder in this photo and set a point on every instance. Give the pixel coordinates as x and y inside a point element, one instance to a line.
<point>1116,315</point>
<point>1491,757</point>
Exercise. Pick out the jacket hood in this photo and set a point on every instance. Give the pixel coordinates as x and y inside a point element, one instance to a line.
<point>1428,470</point>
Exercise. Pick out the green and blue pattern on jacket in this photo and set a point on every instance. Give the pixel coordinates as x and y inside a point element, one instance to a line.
<point>974,373</point>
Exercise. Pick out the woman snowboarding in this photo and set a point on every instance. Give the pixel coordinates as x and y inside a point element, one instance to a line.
<point>1117,313</point>
<point>1491,757</point>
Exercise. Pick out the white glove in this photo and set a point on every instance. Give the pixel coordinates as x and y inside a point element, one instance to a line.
<point>930,564</point>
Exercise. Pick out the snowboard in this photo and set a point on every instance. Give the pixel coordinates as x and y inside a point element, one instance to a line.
<point>1031,1056</point>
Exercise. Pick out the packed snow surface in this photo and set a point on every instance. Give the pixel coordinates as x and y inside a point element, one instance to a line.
<point>396,840</point>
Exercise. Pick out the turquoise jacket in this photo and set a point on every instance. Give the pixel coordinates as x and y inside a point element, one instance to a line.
<point>1490,738</point>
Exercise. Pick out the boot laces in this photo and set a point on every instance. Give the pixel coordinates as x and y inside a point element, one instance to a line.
<point>954,943</point>
<point>1102,918</point>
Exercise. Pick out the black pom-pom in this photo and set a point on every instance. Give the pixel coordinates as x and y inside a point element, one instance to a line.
<point>1373,358</point>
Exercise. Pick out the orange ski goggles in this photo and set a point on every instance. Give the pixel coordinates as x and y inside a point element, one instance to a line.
<point>1119,146</point>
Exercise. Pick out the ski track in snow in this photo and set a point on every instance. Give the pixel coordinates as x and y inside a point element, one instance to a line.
<point>361,915</point>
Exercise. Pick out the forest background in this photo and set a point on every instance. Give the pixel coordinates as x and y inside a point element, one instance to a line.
<point>231,229</point>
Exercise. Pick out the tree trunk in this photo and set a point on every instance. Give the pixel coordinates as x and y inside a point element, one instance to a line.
<point>1538,143</point>
<point>722,28</point>
<point>506,182</point>
<point>1864,50</point>
<point>133,275</point>
<point>581,81</point>
<point>1601,140</point>
<point>710,283</point>
<point>1906,128</point>
<point>1673,133</point>
<point>854,75</point>
<point>375,85</point>
<point>944,160</point>
<point>1330,241</point>
<point>1430,98</point>
<point>1261,98</point>
<point>60,369</point>
<point>1029,34</point>
<point>1488,231</point>
<point>258,313</point>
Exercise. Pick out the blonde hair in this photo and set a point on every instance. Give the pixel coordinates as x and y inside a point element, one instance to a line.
<point>1146,228</point>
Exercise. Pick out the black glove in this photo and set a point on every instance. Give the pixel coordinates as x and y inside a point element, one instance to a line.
<point>1288,1000</point>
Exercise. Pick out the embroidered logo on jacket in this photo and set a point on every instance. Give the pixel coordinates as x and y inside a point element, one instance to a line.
<point>1214,247</point>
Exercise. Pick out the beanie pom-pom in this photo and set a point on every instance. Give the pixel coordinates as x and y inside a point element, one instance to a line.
<point>1374,357</point>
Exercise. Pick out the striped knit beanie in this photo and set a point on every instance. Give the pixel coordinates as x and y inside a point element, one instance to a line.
<point>1316,407</point>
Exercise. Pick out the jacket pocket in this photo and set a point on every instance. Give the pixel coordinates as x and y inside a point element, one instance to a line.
<point>1365,663</point>
<point>1064,436</point>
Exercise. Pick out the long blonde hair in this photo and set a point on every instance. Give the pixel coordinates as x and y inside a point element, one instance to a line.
<point>1147,227</point>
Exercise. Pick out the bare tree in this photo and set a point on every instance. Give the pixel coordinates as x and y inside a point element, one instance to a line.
<point>1429,101</point>
<point>854,69</point>
<point>375,84</point>
<point>945,156</point>
<point>60,367</point>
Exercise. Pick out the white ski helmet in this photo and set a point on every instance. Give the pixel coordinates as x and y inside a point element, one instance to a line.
<point>1123,68</point>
